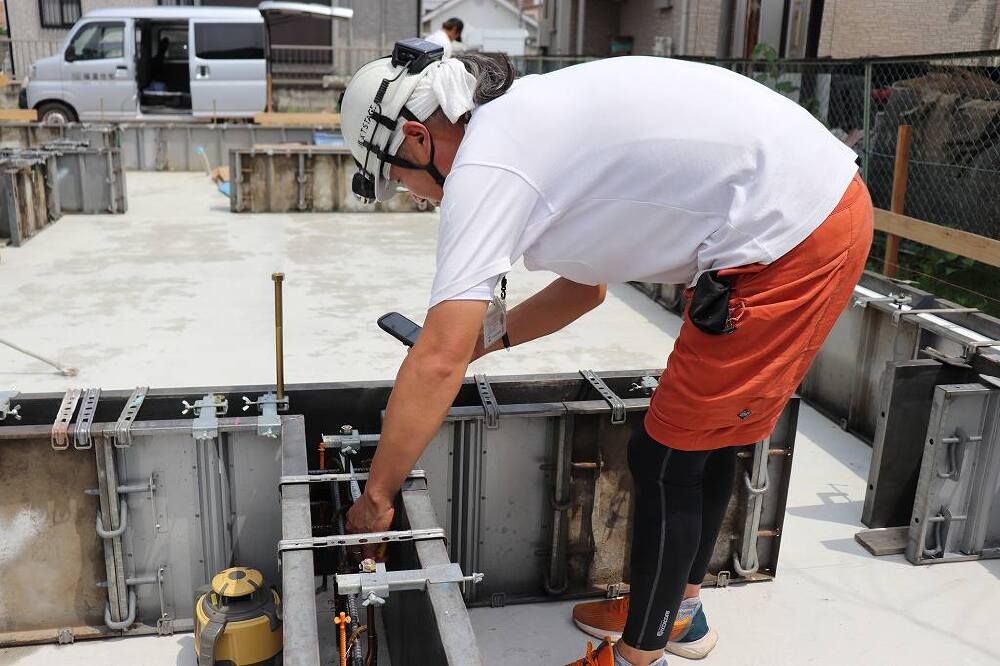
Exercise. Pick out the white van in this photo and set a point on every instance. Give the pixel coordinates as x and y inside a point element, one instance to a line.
<point>161,62</point>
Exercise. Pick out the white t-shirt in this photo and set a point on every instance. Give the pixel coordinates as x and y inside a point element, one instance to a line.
<point>633,168</point>
<point>441,38</point>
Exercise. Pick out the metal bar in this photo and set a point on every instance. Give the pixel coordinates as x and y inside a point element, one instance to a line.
<point>300,635</point>
<point>616,403</point>
<point>279,358</point>
<point>489,400</point>
<point>899,314</point>
<point>338,478</point>
<point>407,579</point>
<point>360,539</point>
<point>66,371</point>
<point>556,578</point>
<point>60,429</point>
<point>81,434</point>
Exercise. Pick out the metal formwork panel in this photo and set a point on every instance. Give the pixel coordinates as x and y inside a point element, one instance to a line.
<point>187,146</point>
<point>898,446</point>
<point>958,492</point>
<point>304,178</point>
<point>25,205</point>
<point>90,180</point>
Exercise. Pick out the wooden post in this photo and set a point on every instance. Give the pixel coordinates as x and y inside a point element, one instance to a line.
<point>270,94</point>
<point>890,260</point>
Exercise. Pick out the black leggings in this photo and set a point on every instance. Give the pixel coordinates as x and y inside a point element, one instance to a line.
<point>680,501</point>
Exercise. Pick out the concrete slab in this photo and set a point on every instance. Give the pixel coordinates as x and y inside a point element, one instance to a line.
<point>178,292</point>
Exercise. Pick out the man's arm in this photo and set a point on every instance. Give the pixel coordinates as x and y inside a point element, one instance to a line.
<point>431,375</point>
<point>552,309</point>
<point>425,388</point>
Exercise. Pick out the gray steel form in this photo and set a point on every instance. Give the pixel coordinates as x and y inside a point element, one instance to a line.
<point>162,146</point>
<point>956,511</point>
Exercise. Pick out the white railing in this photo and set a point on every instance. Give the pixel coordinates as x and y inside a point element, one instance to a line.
<point>292,64</point>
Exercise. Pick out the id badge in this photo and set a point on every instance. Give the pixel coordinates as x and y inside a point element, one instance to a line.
<point>495,323</point>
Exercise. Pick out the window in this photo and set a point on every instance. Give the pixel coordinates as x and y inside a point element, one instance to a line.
<point>176,42</point>
<point>97,41</point>
<point>177,3</point>
<point>229,41</point>
<point>59,13</point>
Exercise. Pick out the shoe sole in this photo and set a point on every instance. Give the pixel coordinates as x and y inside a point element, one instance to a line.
<point>598,633</point>
<point>698,649</point>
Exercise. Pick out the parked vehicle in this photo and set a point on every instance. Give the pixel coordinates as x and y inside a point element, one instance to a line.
<point>140,62</point>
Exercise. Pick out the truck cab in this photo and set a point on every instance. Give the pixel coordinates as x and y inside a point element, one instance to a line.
<point>122,64</point>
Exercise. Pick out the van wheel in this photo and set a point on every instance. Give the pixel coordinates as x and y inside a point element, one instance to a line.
<point>55,113</point>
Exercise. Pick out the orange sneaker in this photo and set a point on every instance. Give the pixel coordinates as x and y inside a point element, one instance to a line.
<point>606,619</point>
<point>604,655</point>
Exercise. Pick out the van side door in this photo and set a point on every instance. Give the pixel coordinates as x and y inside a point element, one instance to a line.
<point>228,68</point>
<point>98,70</point>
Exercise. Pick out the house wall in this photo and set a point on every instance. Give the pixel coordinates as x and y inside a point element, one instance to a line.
<point>854,28</point>
<point>26,22</point>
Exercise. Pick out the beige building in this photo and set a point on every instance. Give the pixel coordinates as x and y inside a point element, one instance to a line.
<point>795,28</point>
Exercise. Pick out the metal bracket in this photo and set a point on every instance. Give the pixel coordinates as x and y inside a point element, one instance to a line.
<point>207,412</point>
<point>268,423</point>
<point>5,408</point>
<point>60,429</point>
<point>374,587</point>
<point>959,440</point>
<point>489,400</point>
<point>615,590</point>
<point>616,403</point>
<point>722,579</point>
<point>81,435</point>
<point>65,636</point>
<point>364,539</point>
<point>893,299</point>
<point>647,385</point>
<point>123,427</point>
<point>942,521</point>
<point>899,314</point>
<point>349,441</point>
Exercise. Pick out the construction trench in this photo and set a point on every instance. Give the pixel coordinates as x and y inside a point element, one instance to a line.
<point>137,498</point>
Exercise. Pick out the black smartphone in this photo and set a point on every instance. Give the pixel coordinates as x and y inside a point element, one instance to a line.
<point>399,327</point>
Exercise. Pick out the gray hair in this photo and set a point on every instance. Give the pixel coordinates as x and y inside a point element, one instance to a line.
<point>494,74</point>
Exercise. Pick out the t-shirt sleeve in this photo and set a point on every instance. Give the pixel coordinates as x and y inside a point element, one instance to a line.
<point>484,214</point>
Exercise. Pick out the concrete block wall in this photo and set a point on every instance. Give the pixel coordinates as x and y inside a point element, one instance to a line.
<point>854,28</point>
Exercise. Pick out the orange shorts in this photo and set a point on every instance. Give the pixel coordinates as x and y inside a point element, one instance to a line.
<point>729,389</point>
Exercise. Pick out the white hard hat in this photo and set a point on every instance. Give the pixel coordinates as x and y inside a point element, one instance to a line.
<point>371,108</point>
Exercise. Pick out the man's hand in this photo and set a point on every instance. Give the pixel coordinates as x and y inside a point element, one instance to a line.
<point>370,515</point>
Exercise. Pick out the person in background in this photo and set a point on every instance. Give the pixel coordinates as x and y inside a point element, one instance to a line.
<point>449,36</point>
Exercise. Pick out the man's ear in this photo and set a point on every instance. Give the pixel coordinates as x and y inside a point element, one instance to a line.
<point>419,140</point>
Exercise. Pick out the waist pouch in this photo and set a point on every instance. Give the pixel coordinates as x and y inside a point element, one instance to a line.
<point>709,307</point>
